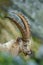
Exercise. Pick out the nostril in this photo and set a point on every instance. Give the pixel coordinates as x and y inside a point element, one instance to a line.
<point>29,52</point>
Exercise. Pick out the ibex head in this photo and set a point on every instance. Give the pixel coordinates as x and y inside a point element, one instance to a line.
<point>20,46</point>
<point>21,43</point>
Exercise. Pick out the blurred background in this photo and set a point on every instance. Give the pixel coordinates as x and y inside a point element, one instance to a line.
<point>33,11</point>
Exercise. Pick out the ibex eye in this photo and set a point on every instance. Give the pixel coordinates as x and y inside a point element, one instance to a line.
<point>25,45</point>
<point>19,39</point>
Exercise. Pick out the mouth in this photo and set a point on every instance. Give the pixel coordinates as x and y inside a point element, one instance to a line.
<point>29,53</point>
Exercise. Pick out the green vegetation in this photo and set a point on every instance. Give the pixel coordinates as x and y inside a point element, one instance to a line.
<point>33,10</point>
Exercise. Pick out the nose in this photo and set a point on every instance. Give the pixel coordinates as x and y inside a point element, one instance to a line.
<point>29,52</point>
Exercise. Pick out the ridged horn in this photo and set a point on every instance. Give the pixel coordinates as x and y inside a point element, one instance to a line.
<point>27,27</point>
<point>25,32</point>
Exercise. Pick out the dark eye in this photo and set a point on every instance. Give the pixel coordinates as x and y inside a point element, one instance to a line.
<point>25,45</point>
<point>19,39</point>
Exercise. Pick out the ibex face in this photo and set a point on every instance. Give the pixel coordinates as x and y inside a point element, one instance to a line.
<point>19,46</point>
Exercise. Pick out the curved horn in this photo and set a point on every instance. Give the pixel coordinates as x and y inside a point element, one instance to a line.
<point>25,32</point>
<point>27,28</point>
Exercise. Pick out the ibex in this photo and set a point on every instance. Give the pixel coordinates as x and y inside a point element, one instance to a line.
<point>20,45</point>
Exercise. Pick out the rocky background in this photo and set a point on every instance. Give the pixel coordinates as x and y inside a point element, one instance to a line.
<point>33,11</point>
